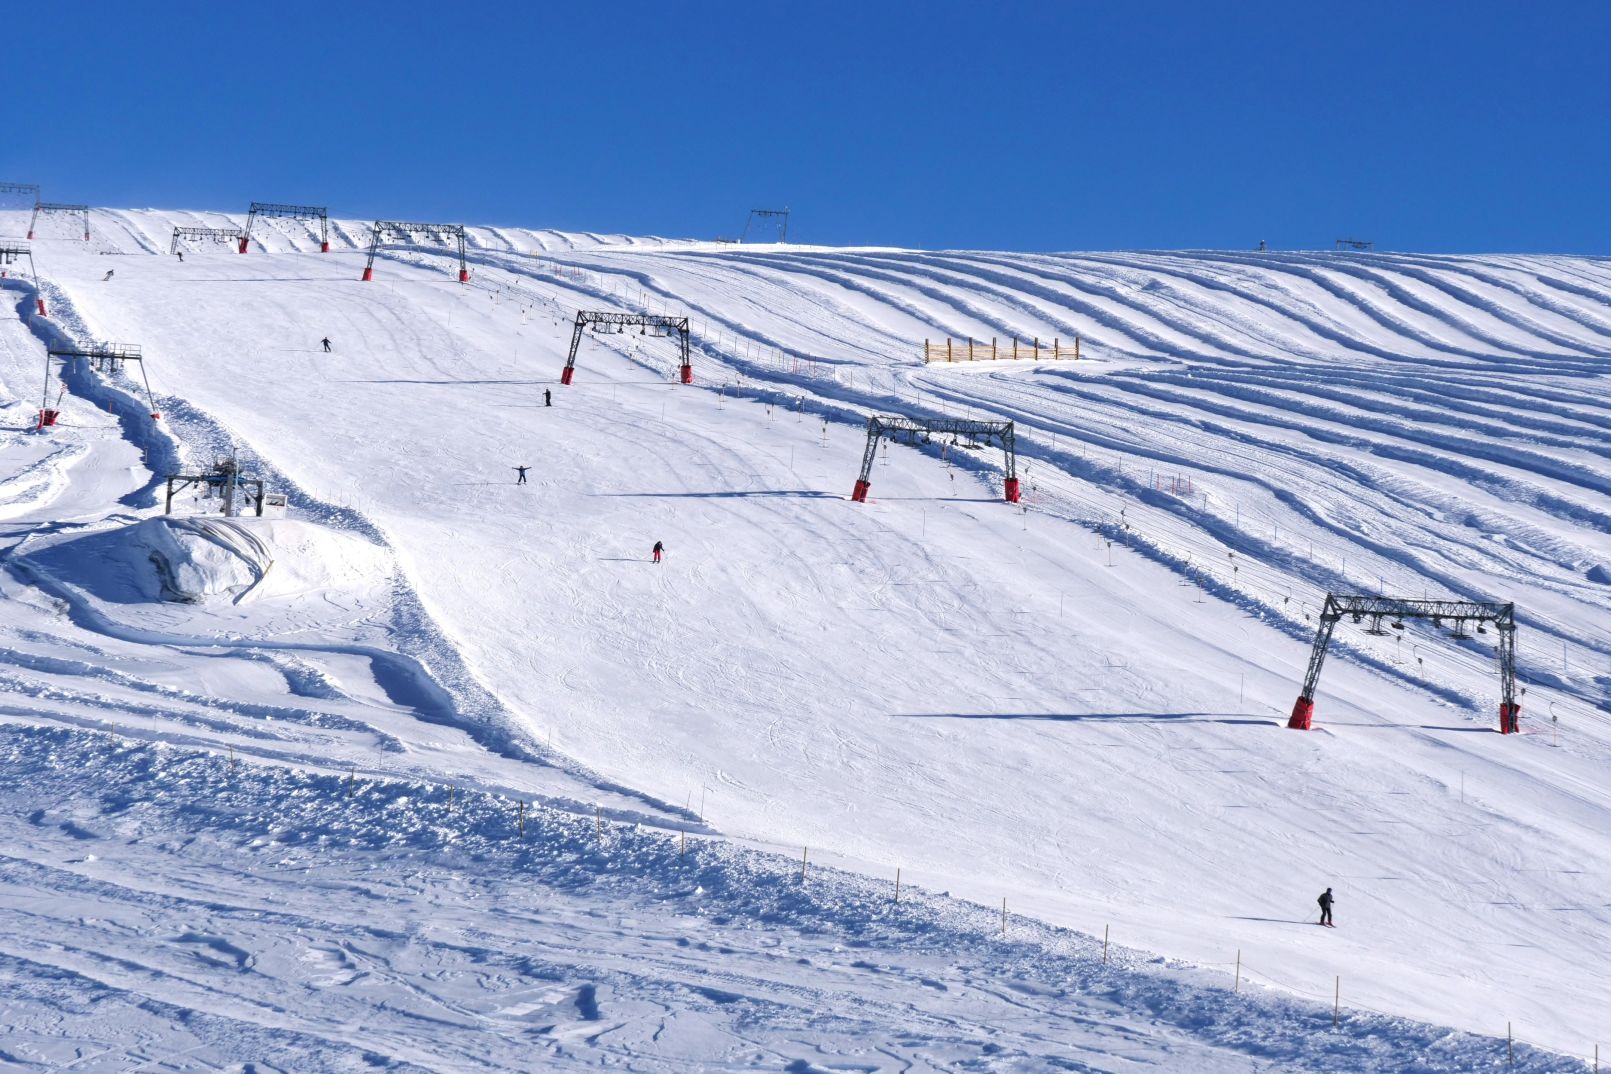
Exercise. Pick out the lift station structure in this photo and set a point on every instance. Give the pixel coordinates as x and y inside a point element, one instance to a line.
<point>1395,610</point>
<point>919,431</point>
<point>10,255</point>
<point>225,481</point>
<point>206,234</point>
<point>608,321</point>
<point>781,216</point>
<point>50,207</point>
<point>292,212</point>
<point>103,358</point>
<point>402,233</point>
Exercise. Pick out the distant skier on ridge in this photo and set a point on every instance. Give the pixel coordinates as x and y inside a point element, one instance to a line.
<point>1325,902</point>
<point>326,342</point>
<point>548,397</point>
<point>108,275</point>
<point>658,548</point>
<point>520,474</point>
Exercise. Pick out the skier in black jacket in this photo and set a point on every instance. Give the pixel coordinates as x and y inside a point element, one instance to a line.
<point>1325,902</point>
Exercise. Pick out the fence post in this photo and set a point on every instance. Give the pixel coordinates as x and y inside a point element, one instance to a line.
<point>1015,348</point>
<point>352,777</point>
<point>1336,1003</point>
<point>897,883</point>
<point>1004,915</point>
<point>598,820</point>
<point>1057,348</point>
<point>1037,348</point>
<point>682,843</point>
<point>1237,987</point>
<point>803,852</point>
<point>1076,348</point>
<point>992,348</point>
<point>1510,1046</point>
<point>520,809</point>
<point>948,357</point>
<point>1105,944</point>
<point>970,348</point>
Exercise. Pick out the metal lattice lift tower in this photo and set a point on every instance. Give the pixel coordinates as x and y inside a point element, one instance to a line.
<point>8,257</point>
<point>103,358</point>
<point>404,233</point>
<point>48,207</point>
<point>223,479</point>
<point>294,212</point>
<point>206,234</point>
<point>1398,609</point>
<point>663,325</point>
<point>1354,244</point>
<point>918,431</point>
<point>780,215</point>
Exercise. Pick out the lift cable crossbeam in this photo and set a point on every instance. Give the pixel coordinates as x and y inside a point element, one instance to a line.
<point>1359,606</point>
<point>295,212</point>
<point>404,233</point>
<point>920,430</point>
<point>664,323</point>
<point>30,189</point>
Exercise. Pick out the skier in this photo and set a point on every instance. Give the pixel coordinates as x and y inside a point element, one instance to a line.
<point>181,254</point>
<point>520,474</point>
<point>658,548</point>
<point>1325,902</point>
<point>548,397</point>
<point>326,342</point>
<point>108,276</point>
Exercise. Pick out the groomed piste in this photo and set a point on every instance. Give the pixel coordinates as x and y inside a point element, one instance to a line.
<point>464,758</point>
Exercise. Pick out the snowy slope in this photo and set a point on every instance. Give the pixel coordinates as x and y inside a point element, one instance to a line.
<point>937,681</point>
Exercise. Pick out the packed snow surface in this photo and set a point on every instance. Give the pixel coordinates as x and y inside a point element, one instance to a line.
<point>1076,703</point>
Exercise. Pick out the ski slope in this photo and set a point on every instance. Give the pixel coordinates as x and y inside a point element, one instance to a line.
<point>1077,704</point>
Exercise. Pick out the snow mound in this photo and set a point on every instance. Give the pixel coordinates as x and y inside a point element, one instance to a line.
<point>197,560</point>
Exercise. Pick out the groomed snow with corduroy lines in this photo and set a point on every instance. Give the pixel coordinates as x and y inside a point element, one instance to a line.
<point>440,773</point>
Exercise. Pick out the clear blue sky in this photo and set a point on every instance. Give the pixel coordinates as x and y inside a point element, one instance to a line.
<point>1422,125</point>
